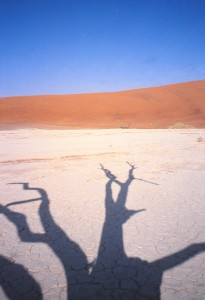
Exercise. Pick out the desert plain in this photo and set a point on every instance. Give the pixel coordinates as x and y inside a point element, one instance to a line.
<point>110,213</point>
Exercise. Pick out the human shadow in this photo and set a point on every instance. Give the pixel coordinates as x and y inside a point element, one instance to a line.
<point>127,277</point>
<point>113,275</point>
<point>69,253</point>
<point>16,282</point>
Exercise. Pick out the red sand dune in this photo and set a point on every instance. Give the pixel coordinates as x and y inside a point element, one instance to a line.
<point>157,107</point>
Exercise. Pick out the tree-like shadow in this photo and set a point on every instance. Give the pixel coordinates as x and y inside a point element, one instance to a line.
<point>113,275</point>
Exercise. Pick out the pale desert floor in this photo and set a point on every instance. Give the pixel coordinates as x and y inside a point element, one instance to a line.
<point>106,252</point>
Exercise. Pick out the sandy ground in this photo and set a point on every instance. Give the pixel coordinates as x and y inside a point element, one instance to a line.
<point>157,107</point>
<point>82,237</point>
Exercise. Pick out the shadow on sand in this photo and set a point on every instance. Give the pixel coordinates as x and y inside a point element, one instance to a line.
<point>113,275</point>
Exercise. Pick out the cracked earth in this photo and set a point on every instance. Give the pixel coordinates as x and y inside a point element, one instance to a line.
<point>102,214</point>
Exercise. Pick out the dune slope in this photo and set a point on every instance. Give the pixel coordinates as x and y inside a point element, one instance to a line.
<point>157,107</point>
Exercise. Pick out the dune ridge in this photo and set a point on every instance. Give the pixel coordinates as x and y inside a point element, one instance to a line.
<point>155,107</point>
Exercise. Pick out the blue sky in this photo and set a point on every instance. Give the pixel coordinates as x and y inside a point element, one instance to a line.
<point>80,46</point>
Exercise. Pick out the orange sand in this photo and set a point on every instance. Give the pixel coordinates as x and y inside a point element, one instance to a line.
<point>157,107</point>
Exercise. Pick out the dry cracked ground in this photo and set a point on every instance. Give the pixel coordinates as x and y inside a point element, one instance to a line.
<point>102,214</point>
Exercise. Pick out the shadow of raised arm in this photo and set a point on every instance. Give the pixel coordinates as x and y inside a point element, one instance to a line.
<point>44,210</point>
<point>68,252</point>
<point>177,258</point>
<point>19,220</point>
<point>132,168</point>
<point>108,173</point>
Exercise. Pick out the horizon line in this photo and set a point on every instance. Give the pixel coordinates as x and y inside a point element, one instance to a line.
<point>104,92</point>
